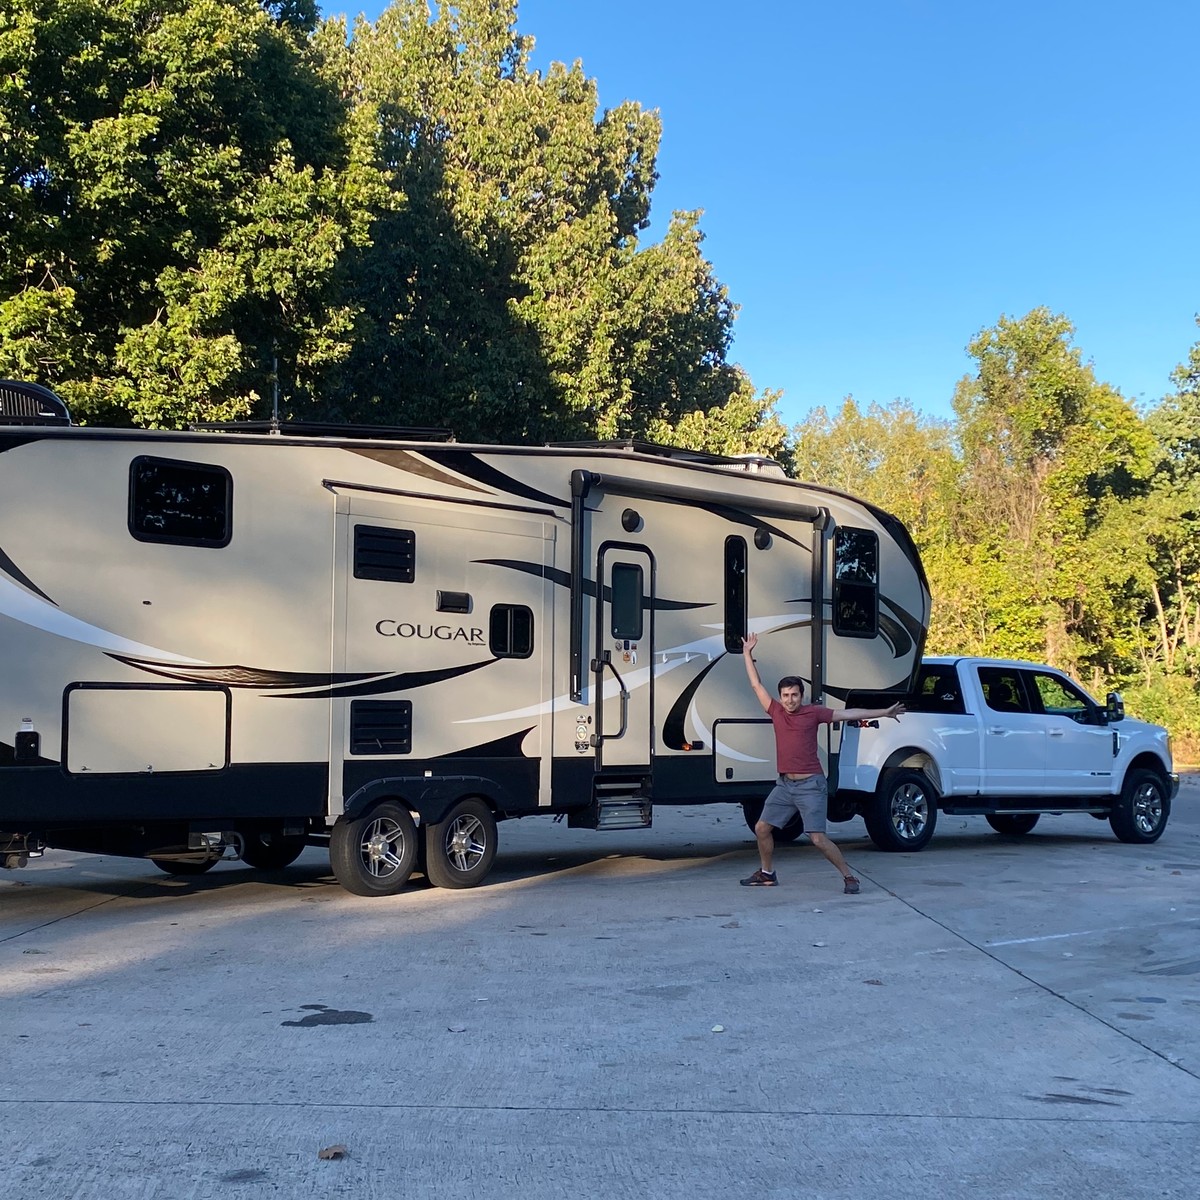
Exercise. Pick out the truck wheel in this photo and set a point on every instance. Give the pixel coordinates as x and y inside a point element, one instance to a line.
<point>460,850</point>
<point>1141,811</point>
<point>752,810</point>
<point>268,851</point>
<point>903,813</point>
<point>1013,824</point>
<point>373,855</point>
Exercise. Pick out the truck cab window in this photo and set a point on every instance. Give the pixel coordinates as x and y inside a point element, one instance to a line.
<point>188,504</point>
<point>1003,690</point>
<point>735,593</point>
<point>855,582</point>
<point>1060,698</point>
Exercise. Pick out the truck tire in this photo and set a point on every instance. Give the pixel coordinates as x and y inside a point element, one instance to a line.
<point>752,810</point>
<point>460,850</point>
<point>903,813</point>
<point>1141,811</point>
<point>266,850</point>
<point>1012,824</point>
<point>373,854</point>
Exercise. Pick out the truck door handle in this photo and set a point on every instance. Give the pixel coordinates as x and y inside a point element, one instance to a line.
<point>1056,733</point>
<point>997,729</point>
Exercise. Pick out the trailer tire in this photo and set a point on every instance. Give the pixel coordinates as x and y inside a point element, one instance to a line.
<point>373,854</point>
<point>1140,814</point>
<point>461,848</point>
<point>196,866</point>
<point>794,829</point>
<point>266,850</point>
<point>1012,824</point>
<point>903,813</point>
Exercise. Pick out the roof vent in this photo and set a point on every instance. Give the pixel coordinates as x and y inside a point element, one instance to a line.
<point>30,404</point>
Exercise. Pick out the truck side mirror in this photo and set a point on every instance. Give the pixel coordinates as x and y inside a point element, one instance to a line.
<point>1114,707</point>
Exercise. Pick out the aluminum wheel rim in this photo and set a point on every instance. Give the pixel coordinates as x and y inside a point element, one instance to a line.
<point>383,847</point>
<point>1147,808</point>
<point>910,811</point>
<point>465,843</point>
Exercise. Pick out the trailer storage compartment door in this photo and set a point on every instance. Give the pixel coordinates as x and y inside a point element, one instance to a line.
<point>142,729</point>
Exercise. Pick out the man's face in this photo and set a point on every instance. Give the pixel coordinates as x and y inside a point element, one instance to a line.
<point>791,698</point>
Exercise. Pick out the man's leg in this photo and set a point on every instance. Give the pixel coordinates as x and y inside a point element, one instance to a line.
<point>831,852</point>
<point>764,834</point>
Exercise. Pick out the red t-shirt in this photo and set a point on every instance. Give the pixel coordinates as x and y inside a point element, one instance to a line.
<point>796,737</point>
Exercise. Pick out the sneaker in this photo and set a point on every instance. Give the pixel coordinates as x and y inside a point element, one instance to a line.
<point>851,885</point>
<point>761,879</point>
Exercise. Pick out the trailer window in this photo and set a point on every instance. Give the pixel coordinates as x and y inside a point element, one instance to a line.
<point>380,726</point>
<point>627,592</point>
<point>735,593</point>
<point>189,504</point>
<point>387,554</point>
<point>855,582</point>
<point>510,632</point>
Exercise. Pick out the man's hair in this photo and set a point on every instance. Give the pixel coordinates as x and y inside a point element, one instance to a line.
<point>791,681</point>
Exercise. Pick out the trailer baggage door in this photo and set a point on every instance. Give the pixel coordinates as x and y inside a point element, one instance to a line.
<point>622,663</point>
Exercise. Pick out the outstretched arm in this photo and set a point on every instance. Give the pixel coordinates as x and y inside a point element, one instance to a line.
<point>896,711</point>
<point>764,697</point>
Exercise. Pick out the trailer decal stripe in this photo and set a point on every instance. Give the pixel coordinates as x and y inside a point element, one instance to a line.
<point>10,568</point>
<point>503,747</point>
<point>563,579</point>
<point>673,732</point>
<point>246,677</point>
<point>389,684</point>
<point>471,465</point>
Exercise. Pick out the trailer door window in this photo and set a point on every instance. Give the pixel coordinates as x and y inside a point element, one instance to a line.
<point>627,592</point>
<point>189,504</point>
<point>855,582</point>
<point>510,631</point>
<point>735,593</point>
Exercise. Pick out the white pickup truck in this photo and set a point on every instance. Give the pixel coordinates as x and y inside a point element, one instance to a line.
<point>1008,740</point>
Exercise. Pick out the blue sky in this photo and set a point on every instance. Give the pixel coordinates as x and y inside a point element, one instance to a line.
<point>880,180</point>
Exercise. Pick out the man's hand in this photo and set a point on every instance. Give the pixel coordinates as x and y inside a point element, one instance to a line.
<point>749,642</point>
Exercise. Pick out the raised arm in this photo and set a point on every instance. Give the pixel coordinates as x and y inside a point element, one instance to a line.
<point>896,711</point>
<point>764,697</point>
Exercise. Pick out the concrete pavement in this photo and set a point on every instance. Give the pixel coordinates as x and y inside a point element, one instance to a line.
<point>992,1017</point>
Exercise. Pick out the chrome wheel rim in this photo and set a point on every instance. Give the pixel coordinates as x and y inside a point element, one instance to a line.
<point>1147,808</point>
<point>466,843</point>
<point>910,811</point>
<point>382,847</point>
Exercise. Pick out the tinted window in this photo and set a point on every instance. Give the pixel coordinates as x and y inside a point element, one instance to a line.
<point>1002,689</point>
<point>735,593</point>
<point>855,582</point>
<point>186,503</point>
<point>386,554</point>
<point>627,595</point>
<point>937,691</point>
<point>510,631</point>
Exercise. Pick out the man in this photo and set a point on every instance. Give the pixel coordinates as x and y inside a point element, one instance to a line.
<point>801,788</point>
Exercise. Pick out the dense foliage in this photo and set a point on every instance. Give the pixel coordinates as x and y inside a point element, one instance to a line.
<point>1056,522</point>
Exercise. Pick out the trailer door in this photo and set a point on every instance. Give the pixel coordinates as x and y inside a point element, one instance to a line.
<point>622,664</point>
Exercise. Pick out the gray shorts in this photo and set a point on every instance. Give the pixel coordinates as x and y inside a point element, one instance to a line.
<point>808,797</point>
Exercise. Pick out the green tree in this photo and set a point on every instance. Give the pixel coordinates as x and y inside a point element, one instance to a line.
<point>510,298</point>
<point>182,181</point>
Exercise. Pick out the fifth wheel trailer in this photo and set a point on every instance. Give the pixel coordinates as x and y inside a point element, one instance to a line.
<point>251,639</point>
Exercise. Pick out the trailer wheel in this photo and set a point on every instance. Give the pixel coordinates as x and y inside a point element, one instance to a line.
<point>186,866</point>
<point>903,813</point>
<point>1141,811</point>
<point>373,855</point>
<point>460,850</point>
<point>1013,824</point>
<point>269,851</point>
<point>752,810</point>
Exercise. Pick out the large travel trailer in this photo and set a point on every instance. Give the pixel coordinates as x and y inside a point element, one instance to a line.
<point>251,639</point>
